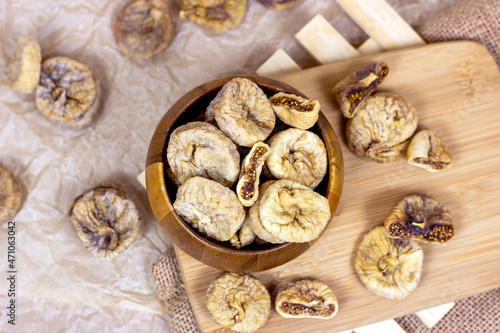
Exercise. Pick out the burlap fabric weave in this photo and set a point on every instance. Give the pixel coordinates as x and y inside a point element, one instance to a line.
<point>476,20</point>
<point>170,288</point>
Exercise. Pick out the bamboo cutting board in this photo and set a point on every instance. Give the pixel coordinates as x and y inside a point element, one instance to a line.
<point>455,88</point>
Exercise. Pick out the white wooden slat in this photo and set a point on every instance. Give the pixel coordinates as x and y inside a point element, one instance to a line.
<point>370,46</point>
<point>142,178</point>
<point>432,316</point>
<point>381,22</point>
<point>324,42</point>
<point>387,326</point>
<point>279,63</point>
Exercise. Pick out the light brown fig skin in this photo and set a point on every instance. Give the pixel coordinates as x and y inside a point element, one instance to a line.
<point>427,151</point>
<point>420,218</point>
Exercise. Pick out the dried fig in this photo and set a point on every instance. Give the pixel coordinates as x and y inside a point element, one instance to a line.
<point>245,236</point>
<point>388,267</point>
<point>106,221</point>
<point>307,299</point>
<point>247,188</point>
<point>420,218</point>
<point>243,112</point>
<point>215,15</point>
<point>280,4</point>
<point>254,218</point>
<point>68,92</point>
<point>144,28</point>
<point>295,111</point>
<point>426,150</point>
<point>10,196</point>
<point>293,212</point>
<point>352,91</point>
<point>24,67</point>
<point>381,128</point>
<point>298,155</point>
<point>210,207</point>
<point>200,149</point>
<point>239,302</point>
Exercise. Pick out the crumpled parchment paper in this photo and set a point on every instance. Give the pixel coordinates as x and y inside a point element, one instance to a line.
<point>60,286</point>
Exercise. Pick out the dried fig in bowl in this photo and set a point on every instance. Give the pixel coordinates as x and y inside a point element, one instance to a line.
<point>215,15</point>
<point>243,112</point>
<point>295,111</point>
<point>200,149</point>
<point>420,218</point>
<point>381,128</point>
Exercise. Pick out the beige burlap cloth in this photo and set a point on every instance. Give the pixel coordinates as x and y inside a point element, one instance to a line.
<point>477,20</point>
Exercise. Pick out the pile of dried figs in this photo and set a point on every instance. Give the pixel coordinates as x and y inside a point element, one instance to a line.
<point>381,125</point>
<point>220,192</point>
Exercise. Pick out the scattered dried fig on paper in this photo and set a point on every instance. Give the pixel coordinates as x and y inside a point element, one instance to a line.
<point>25,64</point>
<point>68,92</point>
<point>210,207</point>
<point>243,112</point>
<point>295,111</point>
<point>426,150</point>
<point>144,28</point>
<point>11,196</point>
<point>239,302</point>
<point>280,4</point>
<point>200,149</point>
<point>307,299</point>
<point>106,221</point>
<point>293,212</point>
<point>389,267</point>
<point>352,91</point>
<point>298,155</point>
<point>381,128</point>
<point>420,218</point>
<point>215,15</point>
<point>247,188</point>
<point>243,237</point>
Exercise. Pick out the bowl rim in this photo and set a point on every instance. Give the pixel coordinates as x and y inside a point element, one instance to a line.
<point>157,151</point>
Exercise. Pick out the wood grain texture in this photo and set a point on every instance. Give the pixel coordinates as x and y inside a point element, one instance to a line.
<point>455,90</point>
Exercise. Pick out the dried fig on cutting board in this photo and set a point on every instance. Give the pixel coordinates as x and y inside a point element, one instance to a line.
<point>307,299</point>
<point>298,155</point>
<point>10,196</point>
<point>352,91</point>
<point>381,128</point>
<point>200,149</point>
<point>144,28</point>
<point>24,67</point>
<point>293,212</point>
<point>106,221</point>
<point>243,112</point>
<point>215,15</point>
<point>295,111</point>
<point>427,151</point>
<point>210,207</point>
<point>388,267</point>
<point>239,302</point>
<point>68,92</point>
<point>420,218</point>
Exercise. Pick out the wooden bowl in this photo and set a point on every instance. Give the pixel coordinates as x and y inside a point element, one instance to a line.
<point>162,192</point>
